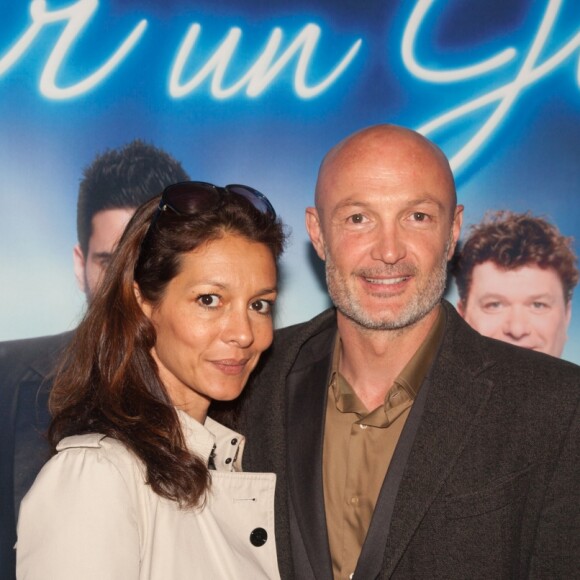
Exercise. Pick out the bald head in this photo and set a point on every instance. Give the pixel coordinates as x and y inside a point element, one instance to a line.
<point>386,222</point>
<point>383,151</point>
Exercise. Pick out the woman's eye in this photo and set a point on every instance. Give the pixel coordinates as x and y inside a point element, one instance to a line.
<point>209,300</point>
<point>262,306</point>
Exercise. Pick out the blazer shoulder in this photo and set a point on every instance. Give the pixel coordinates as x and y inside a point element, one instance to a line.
<point>542,369</point>
<point>30,348</point>
<point>40,353</point>
<point>507,364</point>
<point>297,334</point>
<point>291,340</point>
<point>289,345</point>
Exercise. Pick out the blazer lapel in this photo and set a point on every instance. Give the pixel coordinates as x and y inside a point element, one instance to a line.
<point>371,558</point>
<point>23,416</point>
<point>456,397</point>
<point>306,393</point>
<point>31,448</point>
<point>31,417</point>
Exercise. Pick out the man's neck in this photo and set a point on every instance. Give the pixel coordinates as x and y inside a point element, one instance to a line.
<point>371,360</point>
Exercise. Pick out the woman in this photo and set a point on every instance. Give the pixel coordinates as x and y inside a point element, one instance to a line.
<point>143,484</point>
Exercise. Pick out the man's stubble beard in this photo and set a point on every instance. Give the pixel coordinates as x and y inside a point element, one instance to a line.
<point>419,305</point>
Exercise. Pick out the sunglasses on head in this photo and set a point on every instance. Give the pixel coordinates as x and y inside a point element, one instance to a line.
<point>191,197</point>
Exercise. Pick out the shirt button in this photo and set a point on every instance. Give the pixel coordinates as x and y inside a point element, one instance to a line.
<point>258,537</point>
<point>354,500</point>
<point>234,441</point>
<point>228,460</point>
<point>362,427</point>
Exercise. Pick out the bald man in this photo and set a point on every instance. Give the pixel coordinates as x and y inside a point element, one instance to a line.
<point>406,444</point>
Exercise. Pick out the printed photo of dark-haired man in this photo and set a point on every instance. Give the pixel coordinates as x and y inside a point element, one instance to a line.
<point>112,187</point>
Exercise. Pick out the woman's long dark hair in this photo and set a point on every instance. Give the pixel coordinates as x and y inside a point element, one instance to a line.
<point>108,381</point>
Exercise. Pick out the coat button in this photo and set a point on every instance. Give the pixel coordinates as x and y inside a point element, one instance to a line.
<point>258,537</point>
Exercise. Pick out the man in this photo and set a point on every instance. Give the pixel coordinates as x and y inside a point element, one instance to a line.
<point>406,445</point>
<point>113,186</point>
<point>515,276</point>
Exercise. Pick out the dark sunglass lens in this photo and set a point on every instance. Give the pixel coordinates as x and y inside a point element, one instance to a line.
<point>191,197</point>
<point>257,199</point>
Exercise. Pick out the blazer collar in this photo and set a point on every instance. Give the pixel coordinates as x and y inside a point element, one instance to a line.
<point>45,363</point>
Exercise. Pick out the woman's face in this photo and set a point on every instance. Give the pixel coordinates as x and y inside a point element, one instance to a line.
<point>214,321</point>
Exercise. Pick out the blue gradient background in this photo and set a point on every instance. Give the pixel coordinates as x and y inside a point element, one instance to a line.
<point>275,141</point>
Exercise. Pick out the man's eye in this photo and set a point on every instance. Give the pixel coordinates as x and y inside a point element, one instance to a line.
<point>357,218</point>
<point>539,305</point>
<point>419,216</point>
<point>495,305</point>
<point>262,306</point>
<point>209,300</point>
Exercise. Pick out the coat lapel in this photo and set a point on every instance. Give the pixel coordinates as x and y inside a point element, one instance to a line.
<point>305,419</point>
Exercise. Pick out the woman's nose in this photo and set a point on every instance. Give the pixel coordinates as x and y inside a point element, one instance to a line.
<point>238,329</point>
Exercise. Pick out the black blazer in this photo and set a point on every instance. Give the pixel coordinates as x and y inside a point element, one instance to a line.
<point>26,367</point>
<point>487,487</point>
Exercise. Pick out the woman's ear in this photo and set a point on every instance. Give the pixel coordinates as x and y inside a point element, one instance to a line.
<point>145,306</point>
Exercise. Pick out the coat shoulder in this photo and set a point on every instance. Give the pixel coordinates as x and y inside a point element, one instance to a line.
<point>100,447</point>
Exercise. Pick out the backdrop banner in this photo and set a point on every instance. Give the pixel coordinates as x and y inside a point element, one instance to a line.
<point>256,92</point>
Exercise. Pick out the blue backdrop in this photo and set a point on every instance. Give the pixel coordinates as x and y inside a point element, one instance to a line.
<point>256,91</point>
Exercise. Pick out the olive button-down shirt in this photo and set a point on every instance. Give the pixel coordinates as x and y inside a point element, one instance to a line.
<point>358,448</point>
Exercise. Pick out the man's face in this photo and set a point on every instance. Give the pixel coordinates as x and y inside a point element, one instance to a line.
<point>107,228</point>
<point>525,306</point>
<point>386,226</point>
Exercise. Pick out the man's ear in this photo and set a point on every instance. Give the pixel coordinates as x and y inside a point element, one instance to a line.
<point>79,264</point>
<point>315,231</point>
<point>455,230</point>
<point>460,308</point>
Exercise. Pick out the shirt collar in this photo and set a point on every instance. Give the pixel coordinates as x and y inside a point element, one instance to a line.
<point>408,381</point>
<point>213,440</point>
<point>412,376</point>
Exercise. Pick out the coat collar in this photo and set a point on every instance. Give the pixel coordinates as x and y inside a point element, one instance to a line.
<point>212,439</point>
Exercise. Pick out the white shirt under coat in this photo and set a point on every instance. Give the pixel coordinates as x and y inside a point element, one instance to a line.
<point>91,515</point>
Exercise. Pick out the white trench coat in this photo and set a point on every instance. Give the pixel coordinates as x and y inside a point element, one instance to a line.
<point>91,515</point>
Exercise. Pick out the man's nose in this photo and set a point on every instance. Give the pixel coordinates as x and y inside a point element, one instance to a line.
<point>516,323</point>
<point>389,246</point>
